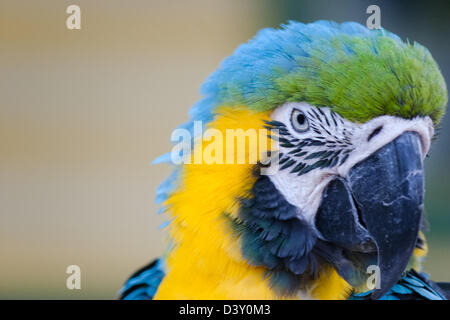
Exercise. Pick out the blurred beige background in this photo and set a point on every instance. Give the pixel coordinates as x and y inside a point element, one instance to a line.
<point>84,112</point>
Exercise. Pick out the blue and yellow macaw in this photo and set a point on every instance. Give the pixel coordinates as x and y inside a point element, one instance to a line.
<point>354,112</point>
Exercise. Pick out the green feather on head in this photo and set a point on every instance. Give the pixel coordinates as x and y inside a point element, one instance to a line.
<point>359,73</point>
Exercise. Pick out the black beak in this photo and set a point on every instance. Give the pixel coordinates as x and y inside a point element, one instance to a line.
<point>378,208</point>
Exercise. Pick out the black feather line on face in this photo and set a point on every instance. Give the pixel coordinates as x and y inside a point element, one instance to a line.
<point>334,119</point>
<point>328,149</point>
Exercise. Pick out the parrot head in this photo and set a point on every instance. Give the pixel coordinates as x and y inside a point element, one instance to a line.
<point>354,112</point>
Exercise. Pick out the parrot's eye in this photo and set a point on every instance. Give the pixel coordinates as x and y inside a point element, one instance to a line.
<point>299,121</point>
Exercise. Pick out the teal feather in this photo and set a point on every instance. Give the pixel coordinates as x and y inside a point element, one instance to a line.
<point>412,286</point>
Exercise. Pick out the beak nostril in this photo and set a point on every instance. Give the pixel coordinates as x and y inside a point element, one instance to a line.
<point>374,133</point>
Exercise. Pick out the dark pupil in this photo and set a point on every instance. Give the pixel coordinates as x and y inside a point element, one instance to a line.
<point>301,119</point>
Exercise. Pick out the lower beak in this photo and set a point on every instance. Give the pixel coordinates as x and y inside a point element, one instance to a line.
<point>378,208</point>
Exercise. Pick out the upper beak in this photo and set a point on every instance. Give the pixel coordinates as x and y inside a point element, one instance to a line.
<point>378,208</point>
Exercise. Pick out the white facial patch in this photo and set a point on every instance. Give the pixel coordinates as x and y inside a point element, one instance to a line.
<point>317,145</point>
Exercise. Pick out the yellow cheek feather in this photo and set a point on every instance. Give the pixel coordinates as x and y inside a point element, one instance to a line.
<point>205,262</point>
<point>419,254</point>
